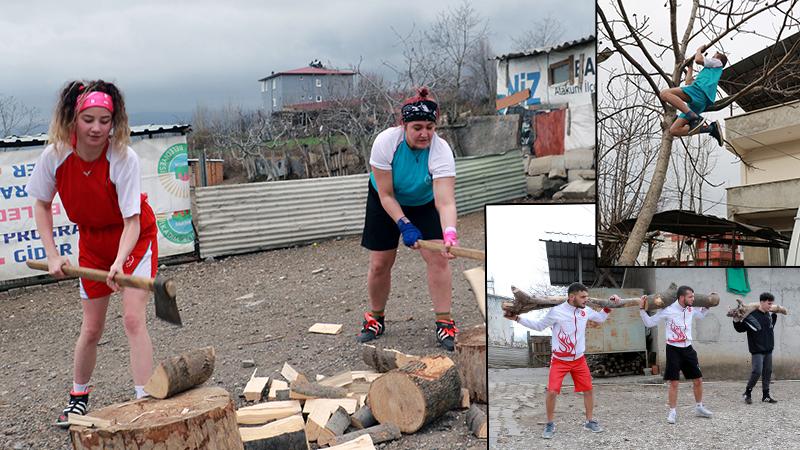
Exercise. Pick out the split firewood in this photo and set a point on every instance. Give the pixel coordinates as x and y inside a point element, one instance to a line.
<point>201,415</point>
<point>363,418</point>
<point>89,421</point>
<point>379,433</point>
<point>476,422</point>
<point>384,359</point>
<point>279,435</point>
<point>274,387</point>
<point>302,390</point>
<point>316,421</point>
<point>415,394</point>
<point>742,310</point>
<point>470,359</point>
<point>349,404</point>
<point>360,443</point>
<point>290,374</point>
<point>464,398</point>
<point>337,424</point>
<point>265,412</point>
<point>181,372</point>
<point>477,282</point>
<point>340,380</point>
<point>326,328</point>
<point>283,394</point>
<point>255,387</point>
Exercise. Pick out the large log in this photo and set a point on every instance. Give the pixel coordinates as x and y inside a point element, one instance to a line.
<point>415,394</point>
<point>476,422</point>
<point>742,310</point>
<point>384,359</point>
<point>379,433</point>
<point>201,418</point>
<point>470,359</point>
<point>524,302</point>
<point>181,372</point>
<point>288,433</point>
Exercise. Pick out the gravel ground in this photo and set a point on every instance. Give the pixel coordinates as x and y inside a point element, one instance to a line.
<point>634,416</point>
<point>229,304</point>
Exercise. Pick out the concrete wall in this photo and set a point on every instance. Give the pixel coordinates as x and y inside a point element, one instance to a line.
<point>483,135</point>
<point>500,329</point>
<point>722,351</point>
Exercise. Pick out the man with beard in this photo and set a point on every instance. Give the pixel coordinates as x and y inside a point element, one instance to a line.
<point>568,320</point>
<point>681,357</point>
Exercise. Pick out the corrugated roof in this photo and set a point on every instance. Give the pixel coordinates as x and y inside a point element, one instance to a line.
<point>744,72</point>
<point>308,70</point>
<point>139,130</point>
<point>557,236</point>
<point>562,262</point>
<point>541,50</point>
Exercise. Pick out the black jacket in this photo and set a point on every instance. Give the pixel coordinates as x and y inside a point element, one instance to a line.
<point>759,327</point>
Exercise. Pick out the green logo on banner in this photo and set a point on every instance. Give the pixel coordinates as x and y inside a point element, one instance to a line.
<point>176,226</point>
<point>173,170</point>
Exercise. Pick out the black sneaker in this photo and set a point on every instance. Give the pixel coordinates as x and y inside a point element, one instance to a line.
<point>768,399</point>
<point>716,133</point>
<point>371,328</point>
<point>747,399</point>
<point>78,404</point>
<point>446,334</point>
<point>695,124</point>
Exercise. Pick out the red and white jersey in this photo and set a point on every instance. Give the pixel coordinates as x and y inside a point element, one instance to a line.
<point>569,328</point>
<point>95,194</point>
<point>677,321</point>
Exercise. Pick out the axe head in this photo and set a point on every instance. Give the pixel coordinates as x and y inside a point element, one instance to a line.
<point>164,291</point>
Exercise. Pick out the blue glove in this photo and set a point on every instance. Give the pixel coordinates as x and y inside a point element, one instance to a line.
<point>411,234</point>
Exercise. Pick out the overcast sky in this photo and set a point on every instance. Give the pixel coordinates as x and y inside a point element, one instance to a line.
<point>739,47</point>
<point>170,56</point>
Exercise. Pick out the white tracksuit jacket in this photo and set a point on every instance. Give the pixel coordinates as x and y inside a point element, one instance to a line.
<point>677,320</point>
<point>569,328</point>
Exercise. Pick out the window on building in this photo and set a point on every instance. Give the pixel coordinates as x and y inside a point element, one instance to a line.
<point>264,86</point>
<point>319,98</point>
<point>562,71</point>
<point>318,82</point>
<point>274,102</point>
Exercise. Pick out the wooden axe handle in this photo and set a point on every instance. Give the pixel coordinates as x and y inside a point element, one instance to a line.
<point>457,251</point>
<point>97,275</point>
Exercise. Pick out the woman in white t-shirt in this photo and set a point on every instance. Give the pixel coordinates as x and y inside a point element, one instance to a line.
<point>96,174</point>
<point>411,194</point>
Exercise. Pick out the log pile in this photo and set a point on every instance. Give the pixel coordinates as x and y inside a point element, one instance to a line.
<point>616,364</point>
<point>361,408</point>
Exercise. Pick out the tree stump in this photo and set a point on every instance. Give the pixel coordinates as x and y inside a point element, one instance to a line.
<point>202,418</point>
<point>415,394</point>
<point>470,359</point>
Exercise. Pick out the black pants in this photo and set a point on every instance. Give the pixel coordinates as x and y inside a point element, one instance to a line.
<point>762,367</point>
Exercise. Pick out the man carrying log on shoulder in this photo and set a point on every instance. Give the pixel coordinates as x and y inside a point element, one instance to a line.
<point>681,357</point>
<point>568,320</point>
<point>760,341</point>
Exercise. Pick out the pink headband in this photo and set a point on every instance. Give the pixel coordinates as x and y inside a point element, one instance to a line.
<point>94,98</point>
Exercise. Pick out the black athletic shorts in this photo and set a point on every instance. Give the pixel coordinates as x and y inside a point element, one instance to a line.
<point>682,359</point>
<point>381,232</point>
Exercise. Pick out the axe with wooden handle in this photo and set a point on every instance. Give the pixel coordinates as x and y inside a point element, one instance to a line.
<point>457,251</point>
<point>164,290</point>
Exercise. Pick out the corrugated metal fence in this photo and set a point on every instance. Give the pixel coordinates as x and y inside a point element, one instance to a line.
<point>257,216</point>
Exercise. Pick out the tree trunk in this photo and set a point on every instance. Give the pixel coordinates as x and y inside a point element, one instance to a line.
<point>470,359</point>
<point>201,418</point>
<point>181,372</point>
<point>416,394</point>
<point>742,310</point>
<point>650,205</point>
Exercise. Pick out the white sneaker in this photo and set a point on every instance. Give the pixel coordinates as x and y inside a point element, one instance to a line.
<point>701,411</point>
<point>672,417</point>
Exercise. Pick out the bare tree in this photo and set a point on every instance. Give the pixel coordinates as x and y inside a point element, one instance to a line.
<point>480,83</point>
<point>544,32</point>
<point>709,22</point>
<point>16,117</point>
